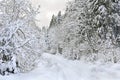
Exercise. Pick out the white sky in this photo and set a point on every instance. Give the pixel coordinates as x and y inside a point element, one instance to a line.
<point>48,8</point>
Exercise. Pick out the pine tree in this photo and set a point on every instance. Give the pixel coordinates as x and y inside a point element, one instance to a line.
<point>52,22</point>
<point>59,17</point>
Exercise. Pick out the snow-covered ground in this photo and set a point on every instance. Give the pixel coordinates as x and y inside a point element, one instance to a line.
<point>55,67</point>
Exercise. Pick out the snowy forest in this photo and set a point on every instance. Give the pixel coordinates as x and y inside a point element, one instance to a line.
<point>89,30</point>
<point>87,34</point>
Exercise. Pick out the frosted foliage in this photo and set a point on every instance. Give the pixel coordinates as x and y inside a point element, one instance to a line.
<point>19,40</point>
<point>103,10</point>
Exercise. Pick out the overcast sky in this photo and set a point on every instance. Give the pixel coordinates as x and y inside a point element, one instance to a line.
<point>48,8</point>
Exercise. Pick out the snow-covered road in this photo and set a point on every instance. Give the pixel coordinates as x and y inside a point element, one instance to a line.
<point>55,67</point>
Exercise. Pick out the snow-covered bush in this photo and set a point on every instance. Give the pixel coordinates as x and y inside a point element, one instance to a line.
<point>19,36</point>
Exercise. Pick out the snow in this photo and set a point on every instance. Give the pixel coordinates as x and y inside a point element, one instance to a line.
<point>55,67</point>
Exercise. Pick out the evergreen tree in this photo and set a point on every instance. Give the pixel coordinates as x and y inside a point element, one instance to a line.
<point>52,22</point>
<point>59,17</point>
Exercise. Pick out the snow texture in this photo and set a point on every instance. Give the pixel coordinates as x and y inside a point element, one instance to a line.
<point>55,67</point>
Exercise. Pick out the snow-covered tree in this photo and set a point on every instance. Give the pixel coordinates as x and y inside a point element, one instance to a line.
<point>104,25</point>
<point>18,36</point>
<point>52,22</point>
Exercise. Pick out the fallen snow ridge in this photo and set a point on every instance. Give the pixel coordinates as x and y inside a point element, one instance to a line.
<point>55,67</point>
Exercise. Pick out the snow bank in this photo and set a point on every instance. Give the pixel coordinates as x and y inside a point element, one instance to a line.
<point>55,67</point>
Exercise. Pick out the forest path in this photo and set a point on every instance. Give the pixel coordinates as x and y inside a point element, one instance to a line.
<point>55,67</point>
